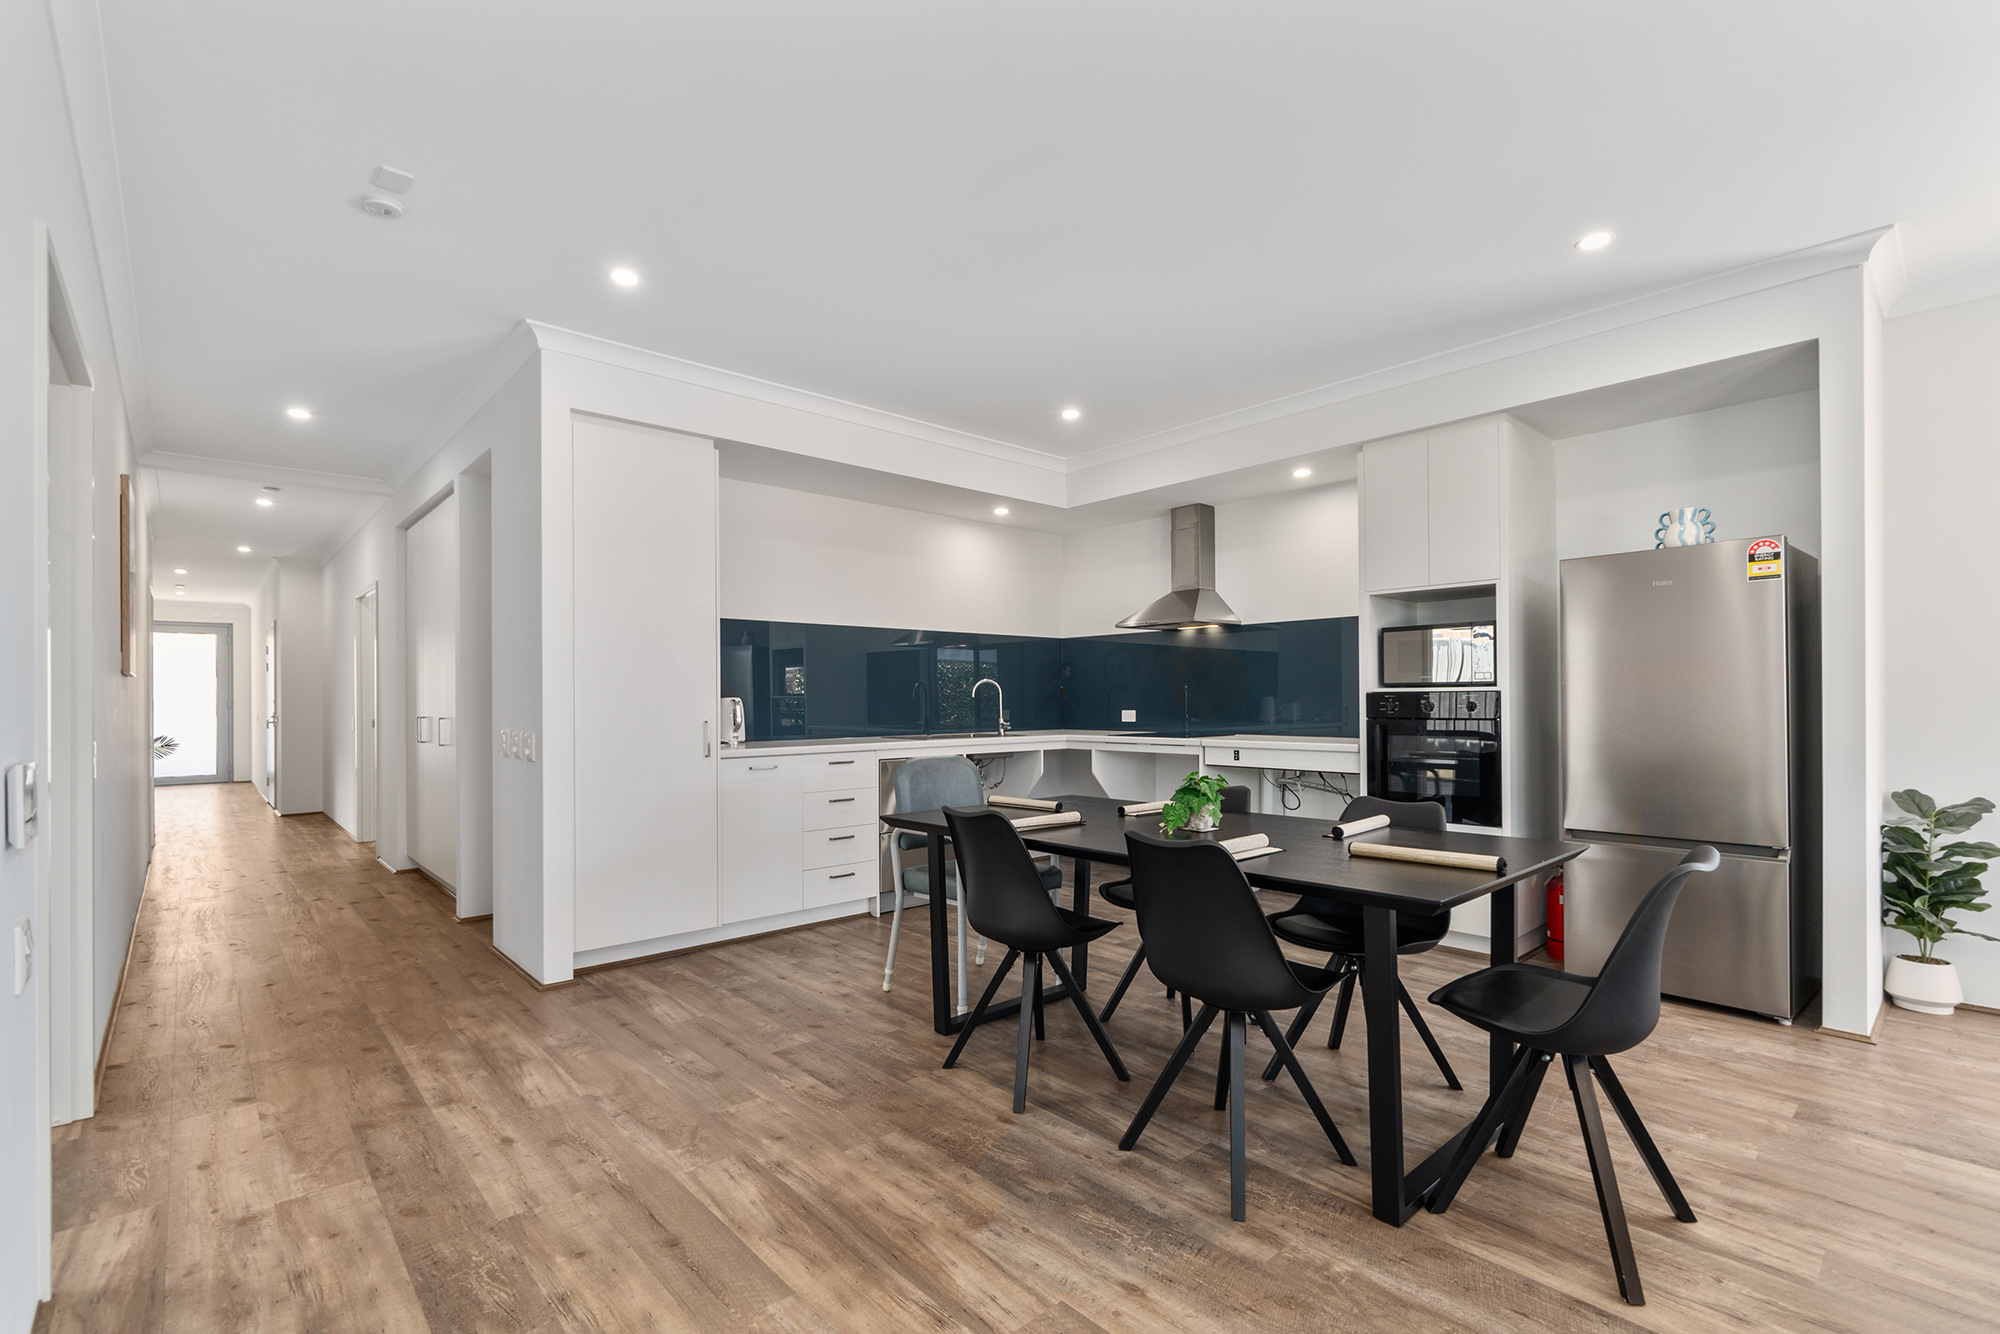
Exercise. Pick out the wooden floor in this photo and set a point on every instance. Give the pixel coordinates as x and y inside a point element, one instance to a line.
<point>330,1106</point>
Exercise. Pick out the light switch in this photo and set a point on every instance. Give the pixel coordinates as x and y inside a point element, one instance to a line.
<point>528,747</point>
<point>503,741</point>
<point>423,729</point>
<point>444,731</point>
<point>1128,715</point>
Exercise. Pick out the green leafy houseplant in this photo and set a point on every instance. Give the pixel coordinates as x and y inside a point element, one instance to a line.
<point>164,746</point>
<point>1923,882</point>
<point>1196,793</point>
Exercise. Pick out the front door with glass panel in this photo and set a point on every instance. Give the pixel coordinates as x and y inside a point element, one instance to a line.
<point>193,704</point>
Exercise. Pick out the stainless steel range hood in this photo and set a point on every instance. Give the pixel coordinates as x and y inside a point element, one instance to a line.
<point>1194,601</point>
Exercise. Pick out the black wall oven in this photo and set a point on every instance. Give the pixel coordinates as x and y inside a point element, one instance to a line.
<point>1437,745</point>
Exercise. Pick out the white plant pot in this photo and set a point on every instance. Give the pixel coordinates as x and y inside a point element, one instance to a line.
<point>1928,988</point>
<point>1202,820</point>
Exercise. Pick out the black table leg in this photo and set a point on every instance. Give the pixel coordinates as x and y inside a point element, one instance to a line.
<point>1079,899</point>
<point>942,1018</point>
<point>1385,1067</point>
<point>1503,933</point>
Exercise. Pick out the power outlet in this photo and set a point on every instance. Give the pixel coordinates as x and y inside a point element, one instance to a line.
<point>1128,715</point>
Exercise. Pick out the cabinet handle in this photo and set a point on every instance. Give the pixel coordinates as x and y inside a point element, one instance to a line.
<point>839,838</point>
<point>706,747</point>
<point>844,875</point>
<point>835,801</point>
<point>831,763</point>
<point>758,767</point>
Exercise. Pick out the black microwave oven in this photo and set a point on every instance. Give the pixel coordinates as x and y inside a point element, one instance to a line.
<point>1437,655</point>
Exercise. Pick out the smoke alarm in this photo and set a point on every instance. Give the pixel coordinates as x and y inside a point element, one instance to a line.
<point>382,206</point>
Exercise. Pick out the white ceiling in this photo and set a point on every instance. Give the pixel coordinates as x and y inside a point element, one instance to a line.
<point>198,522</point>
<point>978,215</point>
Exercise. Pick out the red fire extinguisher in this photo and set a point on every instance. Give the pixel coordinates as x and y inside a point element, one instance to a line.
<point>1556,917</point>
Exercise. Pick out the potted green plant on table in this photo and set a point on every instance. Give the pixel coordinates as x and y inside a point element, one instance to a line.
<point>1924,882</point>
<point>1196,803</point>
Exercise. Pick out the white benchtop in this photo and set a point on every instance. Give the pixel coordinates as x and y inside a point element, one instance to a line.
<point>893,747</point>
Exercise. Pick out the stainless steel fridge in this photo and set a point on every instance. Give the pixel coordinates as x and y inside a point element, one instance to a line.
<point>1690,714</point>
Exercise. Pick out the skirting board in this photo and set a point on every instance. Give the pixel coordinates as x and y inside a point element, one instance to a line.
<point>640,950</point>
<point>527,976</point>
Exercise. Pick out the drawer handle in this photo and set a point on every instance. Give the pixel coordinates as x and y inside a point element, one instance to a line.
<point>755,767</point>
<point>835,801</point>
<point>844,875</point>
<point>831,763</point>
<point>836,838</point>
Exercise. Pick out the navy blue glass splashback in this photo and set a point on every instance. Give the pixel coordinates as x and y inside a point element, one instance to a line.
<point>1291,678</point>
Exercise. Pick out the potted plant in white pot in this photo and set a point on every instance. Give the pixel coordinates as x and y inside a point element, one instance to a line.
<point>1922,884</point>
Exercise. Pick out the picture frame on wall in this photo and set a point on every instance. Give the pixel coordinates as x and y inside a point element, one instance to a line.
<point>125,645</point>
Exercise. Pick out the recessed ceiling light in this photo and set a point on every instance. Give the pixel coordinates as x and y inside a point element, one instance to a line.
<point>1071,414</point>
<point>178,570</point>
<point>299,414</point>
<point>1302,472</point>
<point>1594,241</point>
<point>245,549</point>
<point>179,594</point>
<point>625,277</point>
<point>265,500</point>
<point>999,509</point>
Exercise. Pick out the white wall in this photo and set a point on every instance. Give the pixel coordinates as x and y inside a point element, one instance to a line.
<point>1942,633</point>
<point>1293,556</point>
<point>236,616</point>
<point>263,611</point>
<point>795,556</point>
<point>1754,466</point>
<point>43,188</point>
<point>303,716</point>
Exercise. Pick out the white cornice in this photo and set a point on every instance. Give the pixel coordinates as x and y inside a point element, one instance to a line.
<point>556,339</point>
<point>510,356</point>
<point>161,461</point>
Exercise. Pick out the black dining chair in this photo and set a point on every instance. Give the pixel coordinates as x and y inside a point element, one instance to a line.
<point>1322,924</point>
<point>1007,902</point>
<point>1235,801</point>
<point>1208,939</point>
<point>1585,1021</point>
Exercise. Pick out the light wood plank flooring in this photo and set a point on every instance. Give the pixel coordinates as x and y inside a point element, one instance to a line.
<point>329,1106</point>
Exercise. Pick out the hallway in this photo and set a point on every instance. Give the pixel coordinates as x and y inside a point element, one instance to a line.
<point>330,1106</point>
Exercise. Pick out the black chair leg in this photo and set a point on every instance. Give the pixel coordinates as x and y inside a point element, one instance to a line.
<point>1478,1135</point>
<point>1040,1031</point>
<point>1175,1064</point>
<point>1124,983</point>
<point>1089,1019</point>
<point>1222,1070</point>
<point>1642,1141</point>
<point>1290,1059</point>
<point>1293,1034</point>
<point>1340,1009</point>
<point>1239,1166</point>
<point>1031,985</point>
<point>1187,1013</point>
<point>1608,1202</point>
<point>1517,1115</point>
<point>978,1014</point>
<point>1424,1032</point>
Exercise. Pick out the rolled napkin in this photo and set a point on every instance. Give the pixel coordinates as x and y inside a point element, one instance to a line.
<point>1025,803</point>
<point>1249,845</point>
<point>1470,861</point>
<point>1049,821</point>
<point>1142,808</point>
<point>1349,828</point>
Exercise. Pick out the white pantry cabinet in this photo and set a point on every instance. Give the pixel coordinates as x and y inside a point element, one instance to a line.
<point>647,683</point>
<point>1431,508</point>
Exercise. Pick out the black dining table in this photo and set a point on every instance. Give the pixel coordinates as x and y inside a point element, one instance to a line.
<point>1312,864</point>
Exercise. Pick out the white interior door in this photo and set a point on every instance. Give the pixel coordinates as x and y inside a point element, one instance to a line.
<point>647,677</point>
<point>271,714</point>
<point>366,775</point>
<point>434,740</point>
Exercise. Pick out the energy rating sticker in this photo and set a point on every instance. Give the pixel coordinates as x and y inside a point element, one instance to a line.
<point>1767,558</point>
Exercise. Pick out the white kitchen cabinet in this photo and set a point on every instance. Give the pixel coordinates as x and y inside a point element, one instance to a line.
<point>1464,507</point>
<point>845,883</point>
<point>646,684</point>
<point>832,773</point>
<point>760,836</point>
<point>844,806</point>
<point>1431,510</point>
<point>1395,513</point>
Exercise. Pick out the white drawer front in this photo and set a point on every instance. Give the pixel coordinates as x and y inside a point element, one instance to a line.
<point>836,773</point>
<point>839,884</point>
<point>849,843</point>
<point>829,810</point>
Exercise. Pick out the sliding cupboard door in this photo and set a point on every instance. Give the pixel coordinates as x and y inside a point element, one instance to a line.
<point>433,630</point>
<point>646,683</point>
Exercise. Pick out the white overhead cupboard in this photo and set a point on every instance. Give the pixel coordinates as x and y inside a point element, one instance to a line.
<point>1431,508</point>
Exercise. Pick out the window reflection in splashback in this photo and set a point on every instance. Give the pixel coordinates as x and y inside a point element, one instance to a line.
<point>1299,678</point>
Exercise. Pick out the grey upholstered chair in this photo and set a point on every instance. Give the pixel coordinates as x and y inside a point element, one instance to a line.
<point>927,784</point>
